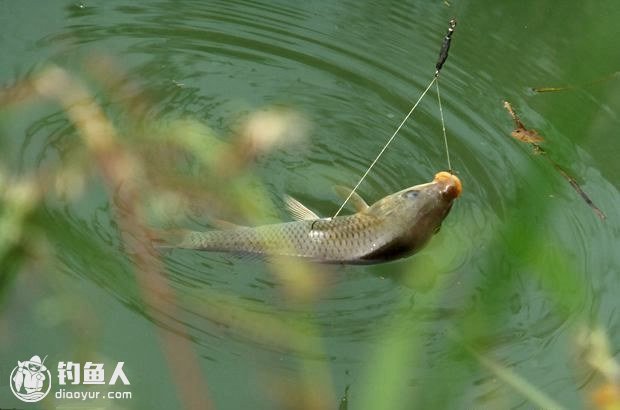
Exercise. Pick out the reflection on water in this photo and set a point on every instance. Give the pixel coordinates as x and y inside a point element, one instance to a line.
<point>354,70</point>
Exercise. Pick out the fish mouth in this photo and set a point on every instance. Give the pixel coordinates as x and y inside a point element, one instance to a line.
<point>449,184</point>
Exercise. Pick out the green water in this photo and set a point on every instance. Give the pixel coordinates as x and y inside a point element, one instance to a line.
<point>520,263</point>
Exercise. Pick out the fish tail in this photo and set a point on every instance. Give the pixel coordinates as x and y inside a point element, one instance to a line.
<point>173,238</point>
<point>186,239</point>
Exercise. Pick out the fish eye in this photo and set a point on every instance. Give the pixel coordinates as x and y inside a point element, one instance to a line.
<point>412,194</point>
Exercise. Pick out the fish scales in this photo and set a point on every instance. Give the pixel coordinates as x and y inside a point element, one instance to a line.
<point>395,226</point>
<point>342,238</point>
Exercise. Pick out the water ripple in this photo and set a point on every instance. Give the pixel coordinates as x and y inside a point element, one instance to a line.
<point>355,77</point>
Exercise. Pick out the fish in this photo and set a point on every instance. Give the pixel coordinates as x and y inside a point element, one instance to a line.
<point>393,227</point>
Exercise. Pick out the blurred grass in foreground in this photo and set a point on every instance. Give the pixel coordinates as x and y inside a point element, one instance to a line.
<point>143,166</point>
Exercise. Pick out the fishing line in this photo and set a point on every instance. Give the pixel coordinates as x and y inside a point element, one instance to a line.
<point>443,56</point>
<point>443,126</point>
<point>385,146</point>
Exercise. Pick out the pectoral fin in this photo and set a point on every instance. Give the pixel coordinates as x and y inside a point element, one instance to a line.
<point>298,210</point>
<point>357,201</point>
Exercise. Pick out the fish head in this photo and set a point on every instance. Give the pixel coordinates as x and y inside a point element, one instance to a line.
<point>423,207</point>
<point>419,201</point>
<point>414,215</point>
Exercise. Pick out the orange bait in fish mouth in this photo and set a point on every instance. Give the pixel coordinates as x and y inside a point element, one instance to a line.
<point>450,184</point>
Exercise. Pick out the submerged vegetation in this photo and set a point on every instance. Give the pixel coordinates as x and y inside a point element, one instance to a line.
<point>531,136</point>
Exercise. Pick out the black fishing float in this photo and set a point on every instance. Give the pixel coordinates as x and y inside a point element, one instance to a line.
<point>445,47</point>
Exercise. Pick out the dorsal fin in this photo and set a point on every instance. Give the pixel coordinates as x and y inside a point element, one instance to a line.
<point>299,211</point>
<point>357,201</point>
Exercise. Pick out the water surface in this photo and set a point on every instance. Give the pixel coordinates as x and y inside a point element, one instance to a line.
<point>353,69</point>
